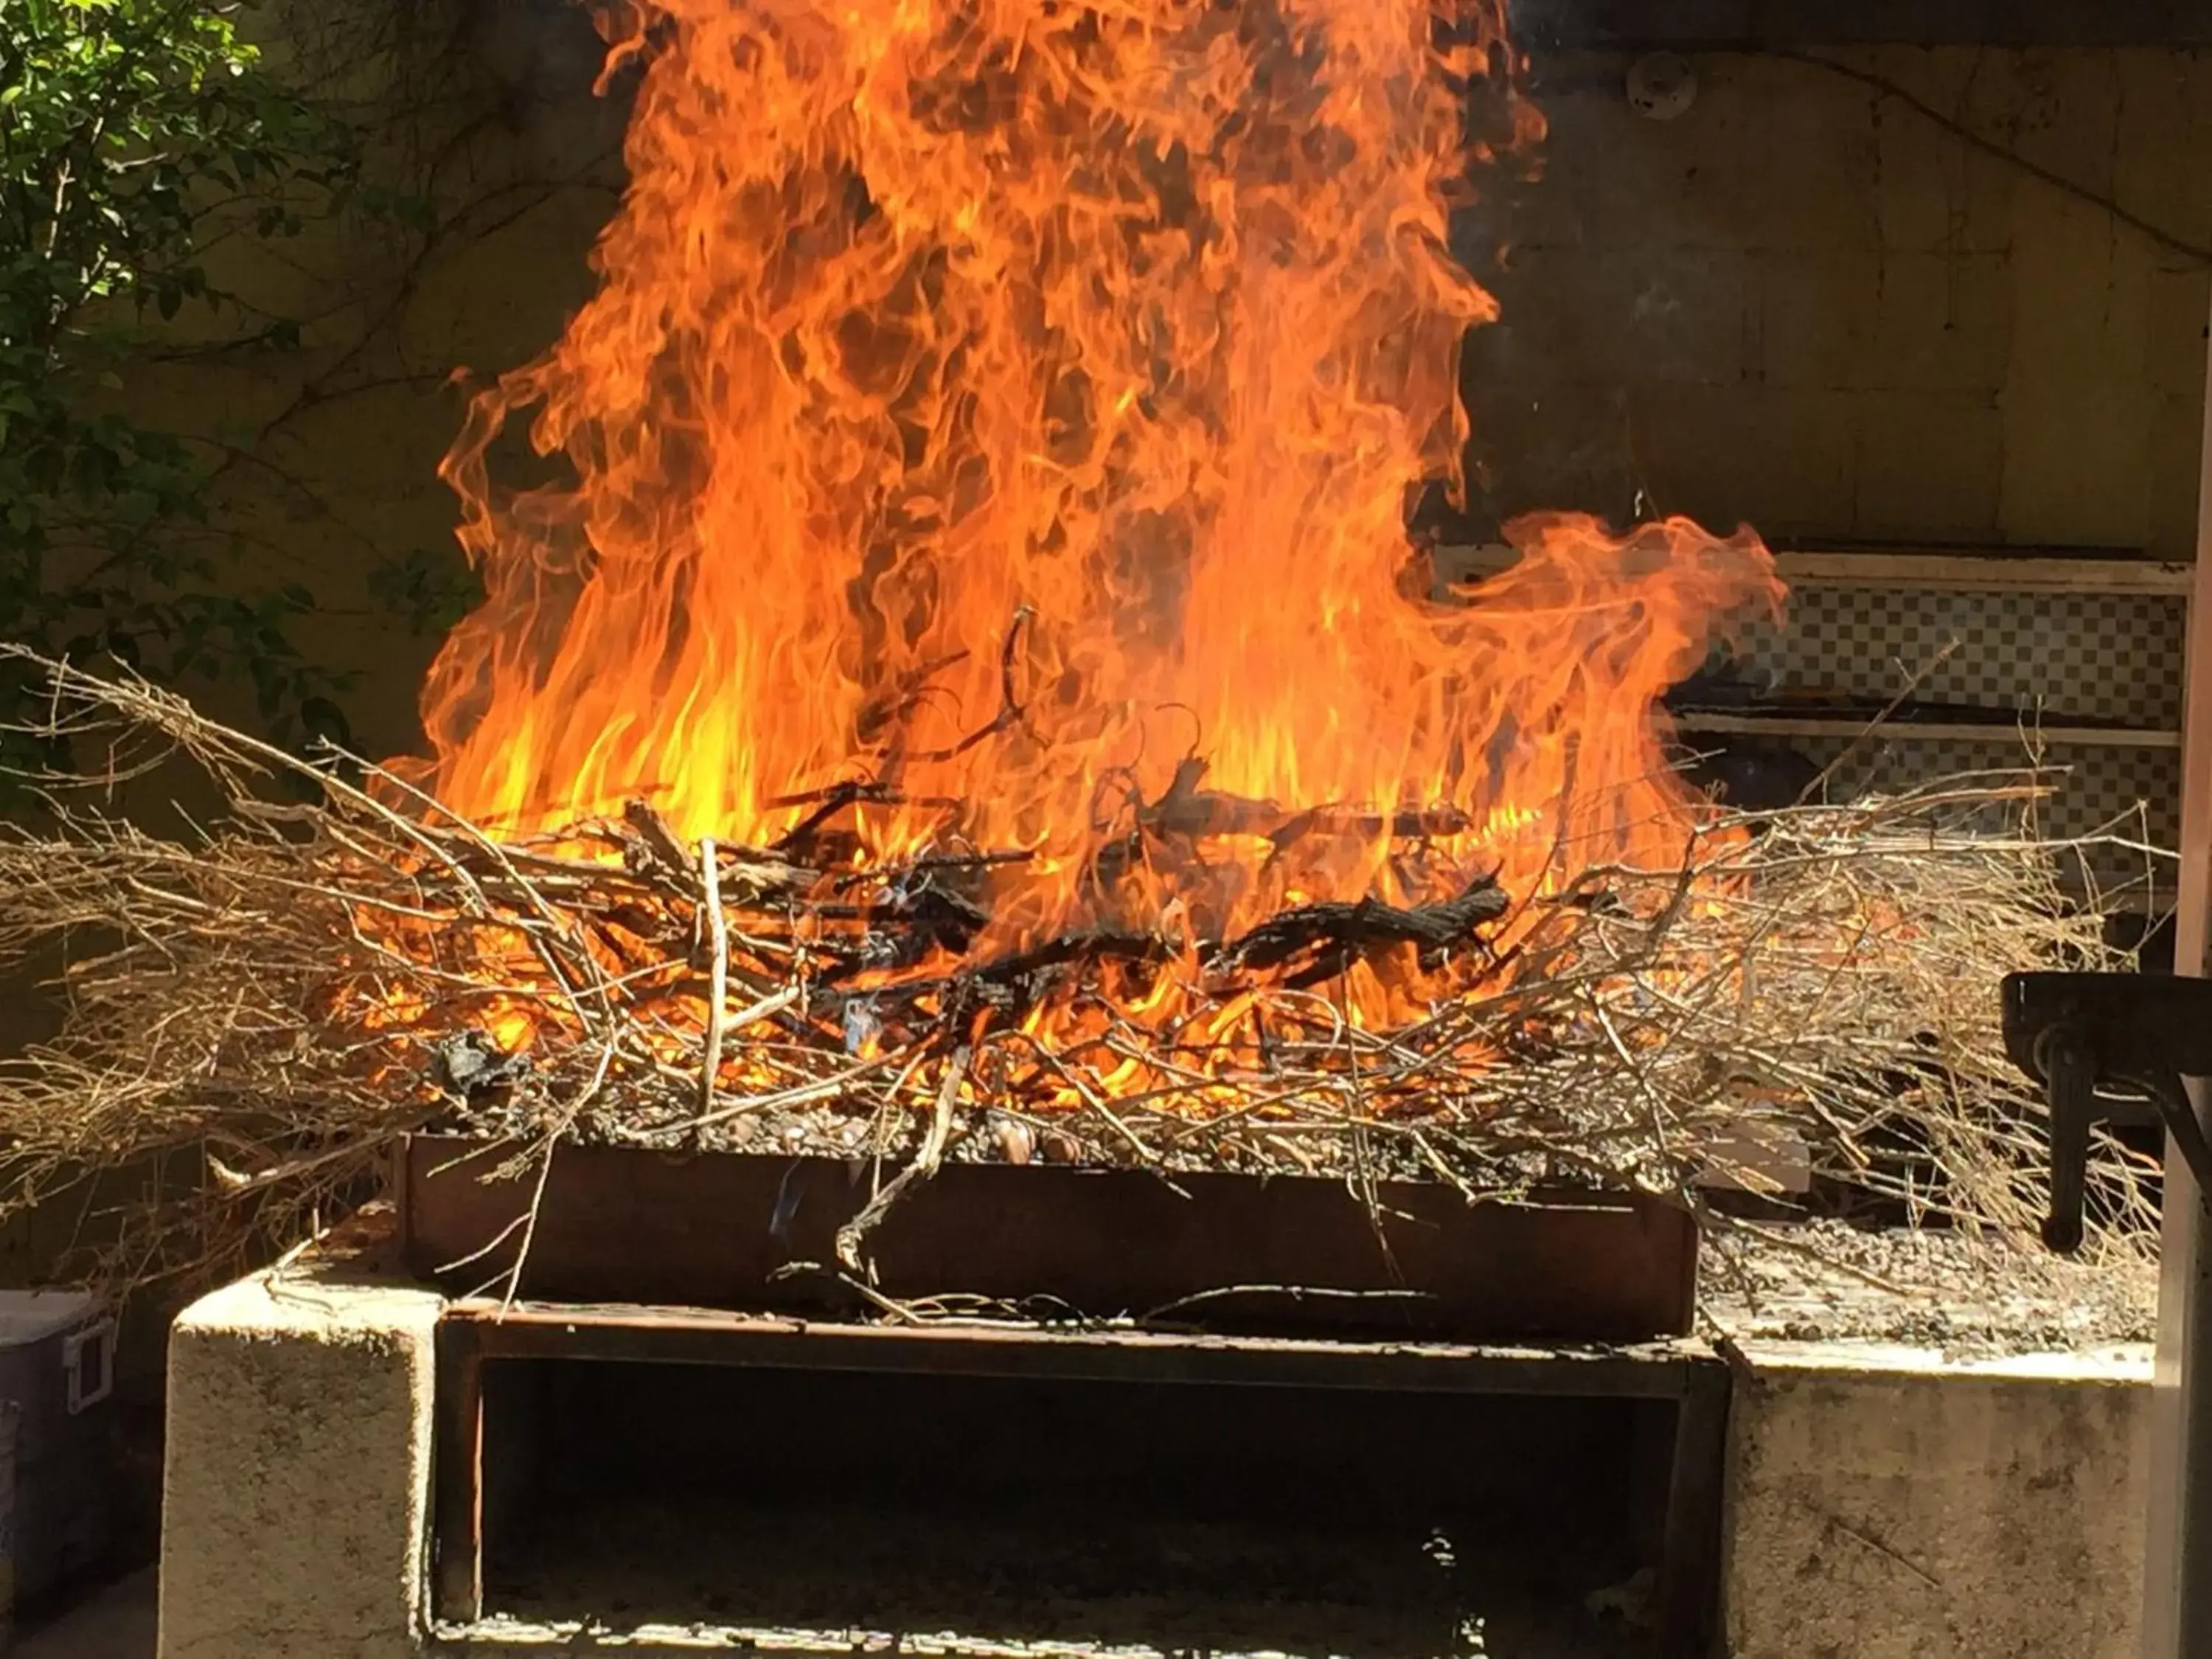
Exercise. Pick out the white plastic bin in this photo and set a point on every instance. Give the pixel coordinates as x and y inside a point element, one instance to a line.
<point>11,1416</point>
<point>57,1497</point>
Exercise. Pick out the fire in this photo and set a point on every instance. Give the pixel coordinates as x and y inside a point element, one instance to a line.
<point>1008,411</point>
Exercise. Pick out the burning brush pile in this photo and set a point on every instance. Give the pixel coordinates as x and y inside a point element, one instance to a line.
<point>282,997</point>
<point>961,687</point>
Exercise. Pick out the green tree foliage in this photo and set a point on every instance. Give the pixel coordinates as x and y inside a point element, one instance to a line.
<point>135,137</point>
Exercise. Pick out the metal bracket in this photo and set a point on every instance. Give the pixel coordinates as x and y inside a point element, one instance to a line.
<point>2111,1049</point>
<point>89,1359</point>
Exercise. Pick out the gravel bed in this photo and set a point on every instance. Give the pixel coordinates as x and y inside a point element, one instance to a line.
<point>1985,1296</point>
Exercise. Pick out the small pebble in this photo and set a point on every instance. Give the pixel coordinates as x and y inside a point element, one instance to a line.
<point>1014,1138</point>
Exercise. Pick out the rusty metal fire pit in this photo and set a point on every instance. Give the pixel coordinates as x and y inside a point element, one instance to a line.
<point>1213,1250</point>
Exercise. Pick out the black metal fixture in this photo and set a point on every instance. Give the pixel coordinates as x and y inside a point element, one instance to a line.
<point>2109,1048</point>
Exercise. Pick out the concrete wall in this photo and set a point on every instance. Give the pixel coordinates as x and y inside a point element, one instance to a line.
<point>482,112</point>
<point>1714,24</point>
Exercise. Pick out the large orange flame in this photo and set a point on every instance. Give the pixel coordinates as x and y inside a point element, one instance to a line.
<point>1014,404</point>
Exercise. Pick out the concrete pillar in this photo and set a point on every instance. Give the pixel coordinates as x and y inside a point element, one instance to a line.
<point>297,1493</point>
<point>1883,1504</point>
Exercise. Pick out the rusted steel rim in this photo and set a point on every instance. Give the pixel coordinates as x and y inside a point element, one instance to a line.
<point>1216,1251</point>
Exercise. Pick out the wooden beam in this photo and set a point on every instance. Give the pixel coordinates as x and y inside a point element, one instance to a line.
<point>1790,725</point>
<point>1927,572</point>
<point>2177,1537</point>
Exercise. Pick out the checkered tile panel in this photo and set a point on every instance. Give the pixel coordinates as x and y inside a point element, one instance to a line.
<point>2063,658</point>
<point>2104,657</point>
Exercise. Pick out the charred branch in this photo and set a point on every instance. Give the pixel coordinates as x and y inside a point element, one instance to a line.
<point>1186,812</point>
<point>1011,711</point>
<point>1340,931</point>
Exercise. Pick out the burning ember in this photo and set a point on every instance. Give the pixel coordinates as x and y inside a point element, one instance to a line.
<point>971,692</point>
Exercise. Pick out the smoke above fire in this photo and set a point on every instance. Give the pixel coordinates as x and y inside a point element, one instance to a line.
<point>1008,411</point>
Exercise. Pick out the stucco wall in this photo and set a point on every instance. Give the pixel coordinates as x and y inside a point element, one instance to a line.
<point>1876,302</point>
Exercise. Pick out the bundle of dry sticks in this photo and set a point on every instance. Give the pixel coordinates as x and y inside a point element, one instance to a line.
<point>258,1004</point>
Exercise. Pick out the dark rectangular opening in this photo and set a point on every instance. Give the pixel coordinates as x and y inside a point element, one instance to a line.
<point>1178,1516</point>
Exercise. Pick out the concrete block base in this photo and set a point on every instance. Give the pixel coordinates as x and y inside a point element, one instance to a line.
<point>1881,1504</point>
<point>294,1509</point>
<point>1884,1504</point>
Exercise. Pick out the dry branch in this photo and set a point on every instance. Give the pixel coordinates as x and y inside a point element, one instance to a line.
<point>718,978</point>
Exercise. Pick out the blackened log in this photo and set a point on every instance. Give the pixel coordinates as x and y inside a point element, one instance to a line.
<point>1366,925</point>
<point>1411,823</point>
<point>1091,946</point>
<point>1012,978</point>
